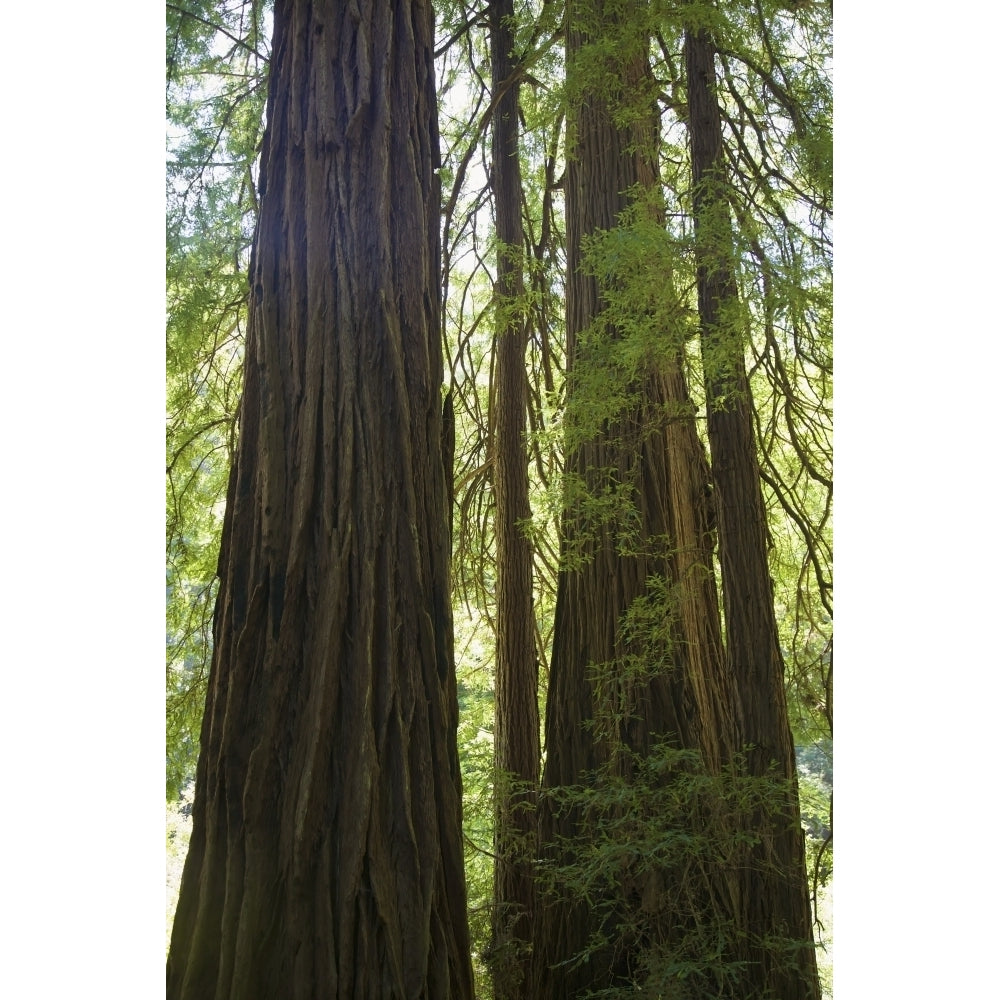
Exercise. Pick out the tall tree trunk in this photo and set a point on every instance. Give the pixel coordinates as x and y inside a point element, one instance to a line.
<point>776,893</point>
<point>326,853</point>
<point>652,449</point>
<point>516,738</point>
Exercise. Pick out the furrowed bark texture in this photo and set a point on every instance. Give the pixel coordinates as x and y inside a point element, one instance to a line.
<point>326,856</point>
<point>776,891</point>
<point>516,738</point>
<point>654,450</point>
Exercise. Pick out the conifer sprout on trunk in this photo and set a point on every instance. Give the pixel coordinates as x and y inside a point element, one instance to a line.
<point>782,960</point>
<point>326,851</point>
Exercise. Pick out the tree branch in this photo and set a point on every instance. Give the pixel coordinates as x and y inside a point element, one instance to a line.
<point>217,27</point>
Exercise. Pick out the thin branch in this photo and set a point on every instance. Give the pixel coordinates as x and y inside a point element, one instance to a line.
<point>217,27</point>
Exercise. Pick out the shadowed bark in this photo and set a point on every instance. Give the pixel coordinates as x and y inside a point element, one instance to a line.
<point>776,897</point>
<point>326,856</point>
<point>516,736</point>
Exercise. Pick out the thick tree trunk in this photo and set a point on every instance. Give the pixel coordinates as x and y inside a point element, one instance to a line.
<point>516,738</point>
<point>776,891</point>
<point>654,452</point>
<point>326,856</point>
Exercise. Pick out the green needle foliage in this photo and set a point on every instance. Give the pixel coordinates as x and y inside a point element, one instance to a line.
<point>216,75</point>
<point>663,824</point>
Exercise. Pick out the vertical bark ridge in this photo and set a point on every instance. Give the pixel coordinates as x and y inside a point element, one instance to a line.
<point>326,856</point>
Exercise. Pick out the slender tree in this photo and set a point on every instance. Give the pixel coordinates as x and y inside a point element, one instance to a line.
<point>326,855</point>
<point>516,738</point>
<point>776,890</point>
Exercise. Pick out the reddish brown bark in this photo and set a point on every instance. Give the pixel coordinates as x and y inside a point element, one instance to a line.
<point>653,450</point>
<point>516,738</point>
<point>776,890</point>
<point>326,855</point>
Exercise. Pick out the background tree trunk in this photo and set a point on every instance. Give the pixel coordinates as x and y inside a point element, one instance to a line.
<point>516,738</point>
<point>652,449</point>
<point>776,891</point>
<point>326,855</point>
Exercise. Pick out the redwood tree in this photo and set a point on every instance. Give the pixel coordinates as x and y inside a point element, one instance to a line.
<point>326,855</point>
<point>637,519</point>
<point>776,890</point>
<point>516,738</point>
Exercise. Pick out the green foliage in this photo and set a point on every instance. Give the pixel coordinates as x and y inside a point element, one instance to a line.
<point>659,838</point>
<point>215,93</point>
<point>474,668</point>
<point>815,782</point>
<point>646,318</point>
<point>178,838</point>
<point>647,648</point>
